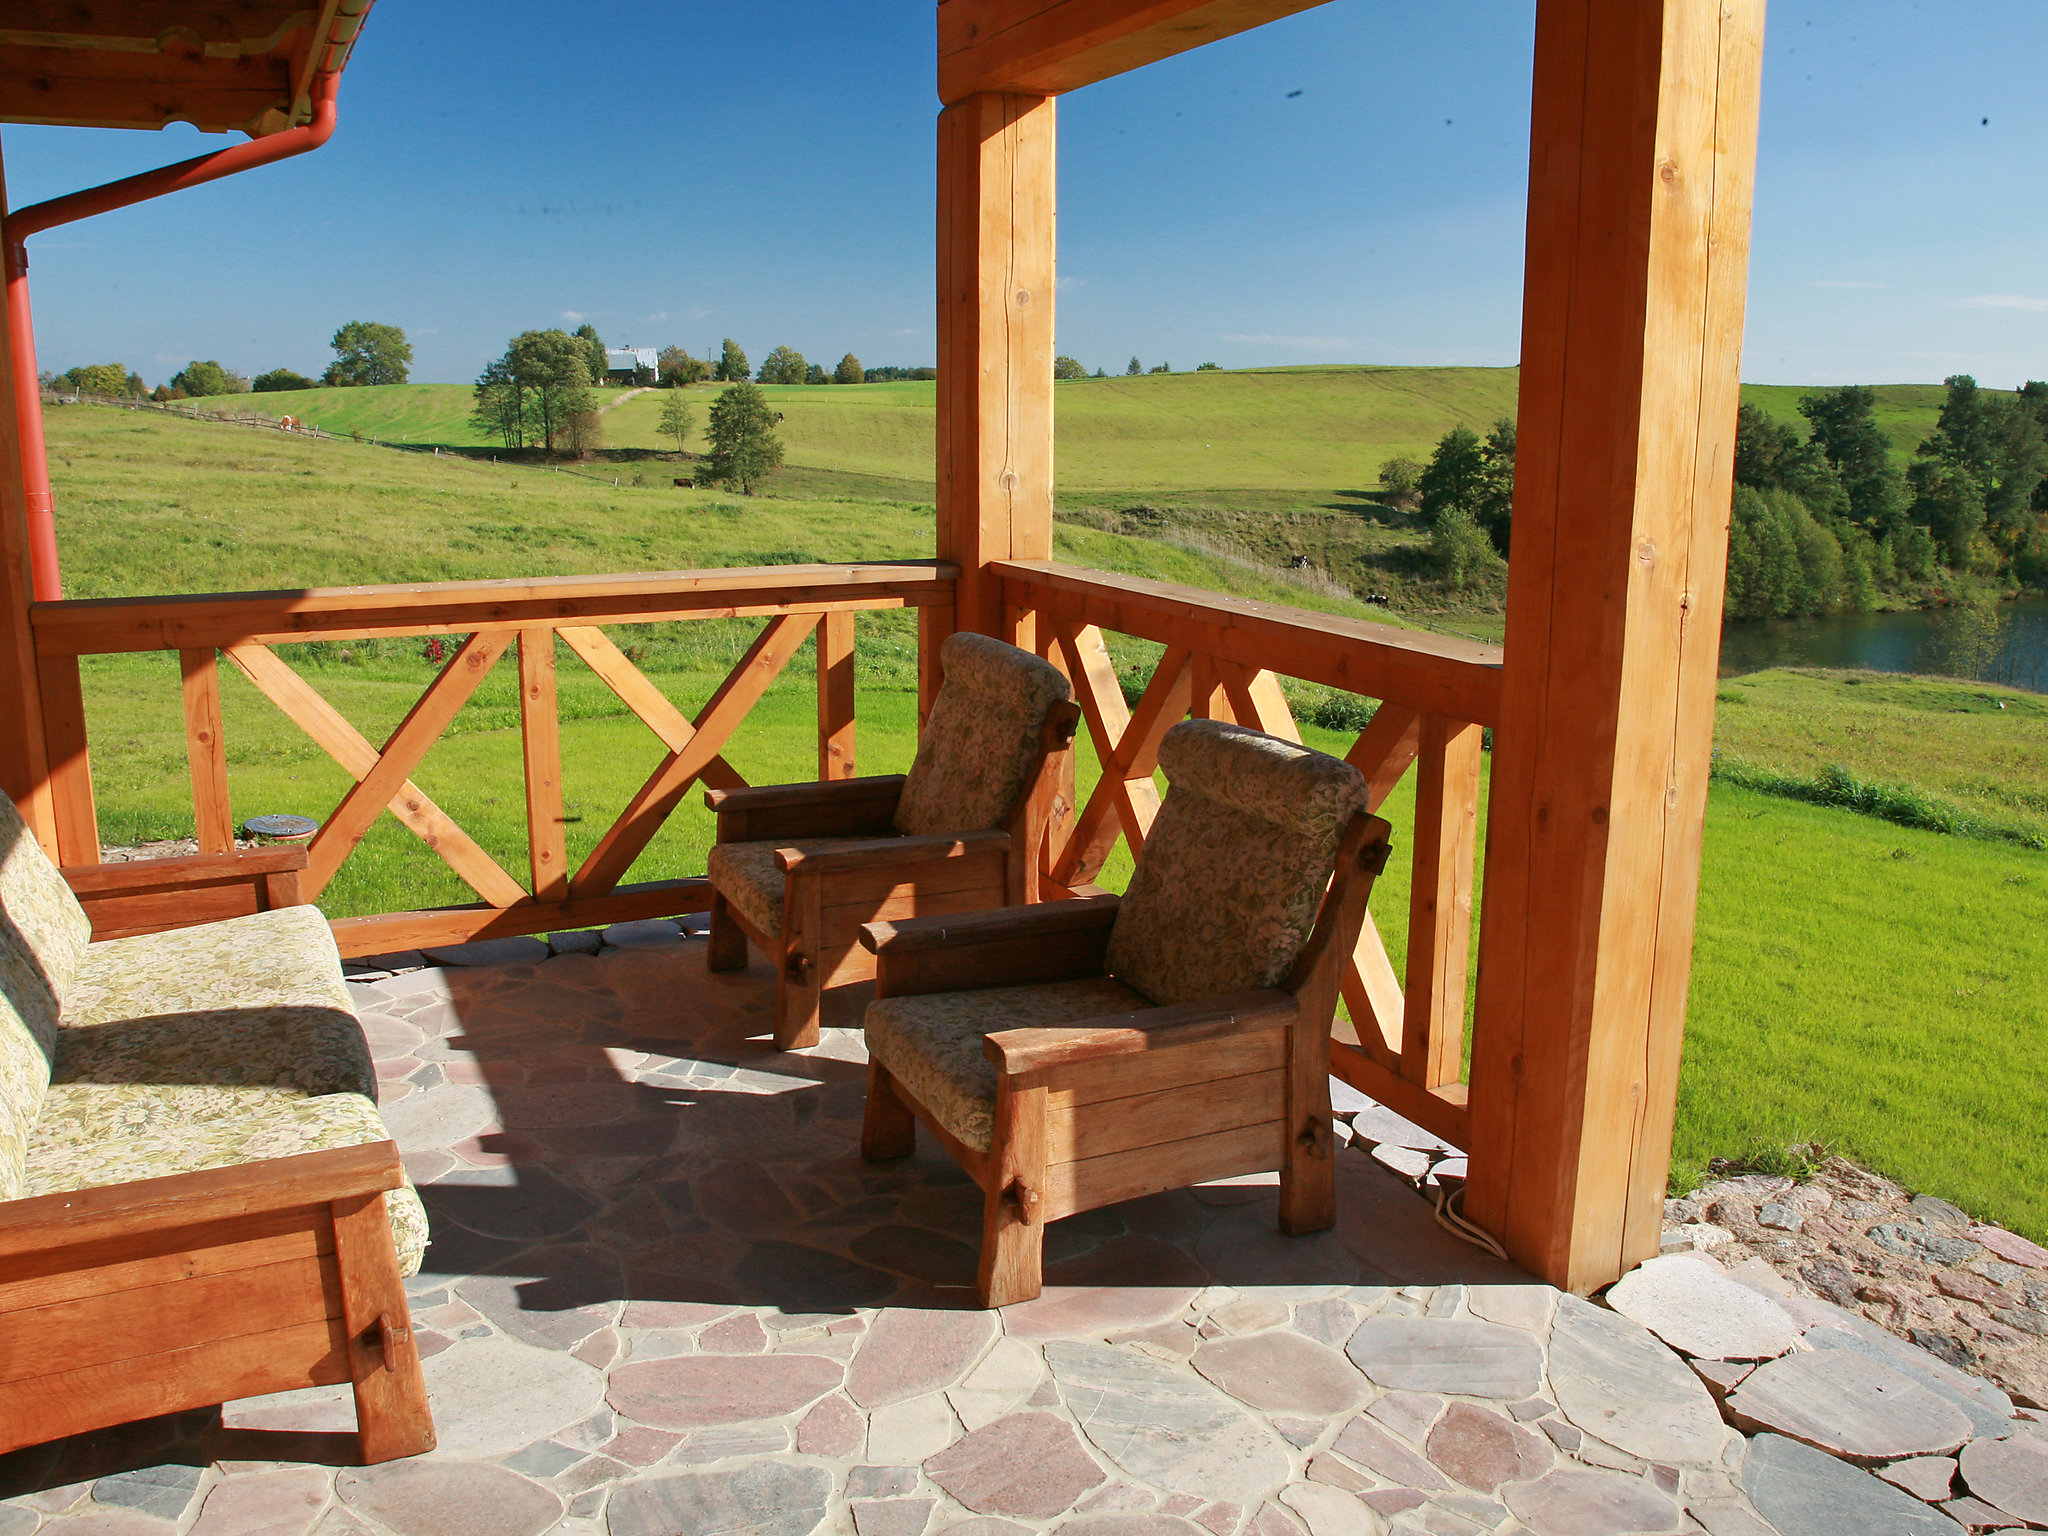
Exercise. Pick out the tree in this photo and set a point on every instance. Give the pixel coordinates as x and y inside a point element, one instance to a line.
<point>1455,477</point>
<point>1496,504</point>
<point>535,394</point>
<point>785,365</point>
<point>136,386</point>
<point>814,374</point>
<point>595,364</point>
<point>279,379</point>
<point>1400,482</point>
<point>677,417</point>
<point>1208,367</point>
<point>1134,369</point>
<point>850,371</point>
<point>500,408</point>
<point>744,447</point>
<point>98,379</point>
<point>1068,368</point>
<point>1160,368</point>
<point>732,364</point>
<point>368,353</point>
<point>1845,430</point>
<point>200,380</point>
<point>677,367</point>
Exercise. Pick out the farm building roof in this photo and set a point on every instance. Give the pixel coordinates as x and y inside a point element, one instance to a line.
<point>219,65</point>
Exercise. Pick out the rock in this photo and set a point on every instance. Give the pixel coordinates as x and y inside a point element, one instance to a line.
<point>2026,1319</point>
<point>1469,1359</point>
<point>584,941</point>
<point>489,952</point>
<point>761,1498</point>
<point>2011,1247</point>
<point>1848,1405</point>
<point>165,1491</point>
<point>1120,1522</point>
<point>651,933</point>
<point>1966,1286</point>
<point>1779,1217</point>
<point>284,1503</point>
<point>1805,1492</point>
<point>1988,1409</point>
<point>1581,1503</point>
<point>1483,1450</point>
<point>1915,1240</point>
<point>1698,1310</point>
<point>1518,1306</point>
<point>1998,1272</point>
<point>1721,1376</point>
<point>687,1391</point>
<point>1945,1348</point>
<point>2011,1475</point>
<point>907,1354</point>
<point>1928,1478</point>
<point>1000,1384</point>
<point>1030,1464</point>
<point>491,1396</point>
<point>1328,1511</point>
<point>911,1431</point>
<point>1701,1235</point>
<point>450,1498</point>
<point>1373,1448</point>
<point>892,1517</point>
<point>1408,1414</point>
<point>1163,1428</point>
<point>1936,1211</point>
<point>1283,1373</point>
<point>1619,1385</point>
<point>833,1428</point>
<point>1975,1515</point>
<point>1338,1474</point>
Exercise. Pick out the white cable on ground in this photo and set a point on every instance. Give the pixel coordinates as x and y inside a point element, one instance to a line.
<point>1454,1223</point>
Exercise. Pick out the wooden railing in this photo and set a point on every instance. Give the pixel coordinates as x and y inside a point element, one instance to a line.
<point>1223,660</point>
<point>493,617</point>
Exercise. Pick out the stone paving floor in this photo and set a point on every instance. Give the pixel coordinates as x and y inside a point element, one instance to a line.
<point>665,1295</point>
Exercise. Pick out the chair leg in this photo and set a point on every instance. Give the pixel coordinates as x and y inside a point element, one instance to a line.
<point>797,996</point>
<point>1308,1182</point>
<point>1012,1249</point>
<point>887,1127</point>
<point>728,945</point>
<point>392,1416</point>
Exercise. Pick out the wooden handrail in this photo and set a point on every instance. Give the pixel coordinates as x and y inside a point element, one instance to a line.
<point>104,626</point>
<point>1438,674</point>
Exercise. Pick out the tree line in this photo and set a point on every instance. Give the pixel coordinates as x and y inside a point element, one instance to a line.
<point>785,365</point>
<point>365,352</point>
<point>1822,521</point>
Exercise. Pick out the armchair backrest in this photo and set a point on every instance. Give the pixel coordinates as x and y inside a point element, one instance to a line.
<point>981,742</point>
<point>43,933</point>
<point>1234,869</point>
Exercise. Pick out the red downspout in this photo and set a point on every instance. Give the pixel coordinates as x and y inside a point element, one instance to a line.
<point>28,394</point>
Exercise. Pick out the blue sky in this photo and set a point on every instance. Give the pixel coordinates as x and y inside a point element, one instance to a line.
<point>682,172</point>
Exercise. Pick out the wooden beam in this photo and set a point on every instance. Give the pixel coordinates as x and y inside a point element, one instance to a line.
<point>1045,47</point>
<point>24,764</point>
<point>206,750</point>
<point>1437,674</point>
<point>540,735</point>
<point>388,932</point>
<point>99,626</point>
<point>639,694</point>
<point>1643,144</point>
<point>835,696</point>
<point>1125,798</point>
<point>1440,903</point>
<point>995,280</point>
<point>70,763</point>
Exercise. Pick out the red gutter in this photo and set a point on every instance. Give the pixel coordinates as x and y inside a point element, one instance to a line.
<point>33,220</point>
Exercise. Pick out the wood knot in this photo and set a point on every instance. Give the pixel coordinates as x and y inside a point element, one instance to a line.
<point>1023,298</point>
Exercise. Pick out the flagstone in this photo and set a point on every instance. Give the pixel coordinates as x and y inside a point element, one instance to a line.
<point>1620,1385</point>
<point>106,1522</point>
<point>1805,1492</point>
<point>1483,1450</point>
<point>282,1503</point>
<point>491,1396</point>
<point>1031,1465</point>
<point>1282,1372</point>
<point>449,1498</point>
<point>1694,1307</point>
<point>913,1430</point>
<point>1126,1522</point>
<point>1848,1405</point>
<point>1246,1247</point>
<point>763,1498</point>
<point>907,1354</point>
<point>800,1278</point>
<point>1164,1427</point>
<point>1569,1502</point>
<point>998,1384</point>
<point>1378,1452</point>
<point>689,1391</point>
<point>892,1517</point>
<point>738,1335</point>
<point>1328,1511</point>
<point>722,1442</point>
<point>1086,1312</point>
<point>165,1491</point>
<point>1457,1355</point>
<point>1518,1306</point>
<point>2011,1474</point>
<point>2011,1247</point>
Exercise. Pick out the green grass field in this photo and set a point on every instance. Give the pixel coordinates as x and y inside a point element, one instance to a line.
<point>1905,413</point>
<point>1867,985</point>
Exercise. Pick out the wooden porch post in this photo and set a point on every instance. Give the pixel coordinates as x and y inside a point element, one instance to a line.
<point>1643,144</point>
<point>24,765</point>
<point>995,271</point>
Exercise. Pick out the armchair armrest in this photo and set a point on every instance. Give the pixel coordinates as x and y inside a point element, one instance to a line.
<point>1017,1052</point>
<point>1010,946</point>
<point>151,895</point>
<point>827,808</point>
<point>140,875</point>
<point>881,851</point>
<point>79,1216</point>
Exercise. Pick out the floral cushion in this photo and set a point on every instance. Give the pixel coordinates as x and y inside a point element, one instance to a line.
<point>975,757</point>
<point>91,1135</point>
<point>39,909</point>
<point>931,1044</point>
<point>43,931</point>
<point>1226,891</point>
<point>24,1078</point>
<point>254,1000</point>
<point>746,875</point>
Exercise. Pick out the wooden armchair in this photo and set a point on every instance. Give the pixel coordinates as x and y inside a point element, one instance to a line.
<point>1084,1052</point>
<point>798,868</point>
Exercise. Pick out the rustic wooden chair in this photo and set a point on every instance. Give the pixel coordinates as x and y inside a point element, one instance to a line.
<point>798,868</point>
<point>1084,1052</point>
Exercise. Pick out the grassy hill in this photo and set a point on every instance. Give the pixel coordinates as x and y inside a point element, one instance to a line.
<point>1905,412</point>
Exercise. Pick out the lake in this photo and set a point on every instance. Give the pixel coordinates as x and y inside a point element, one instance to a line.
<point>1889,642</point>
